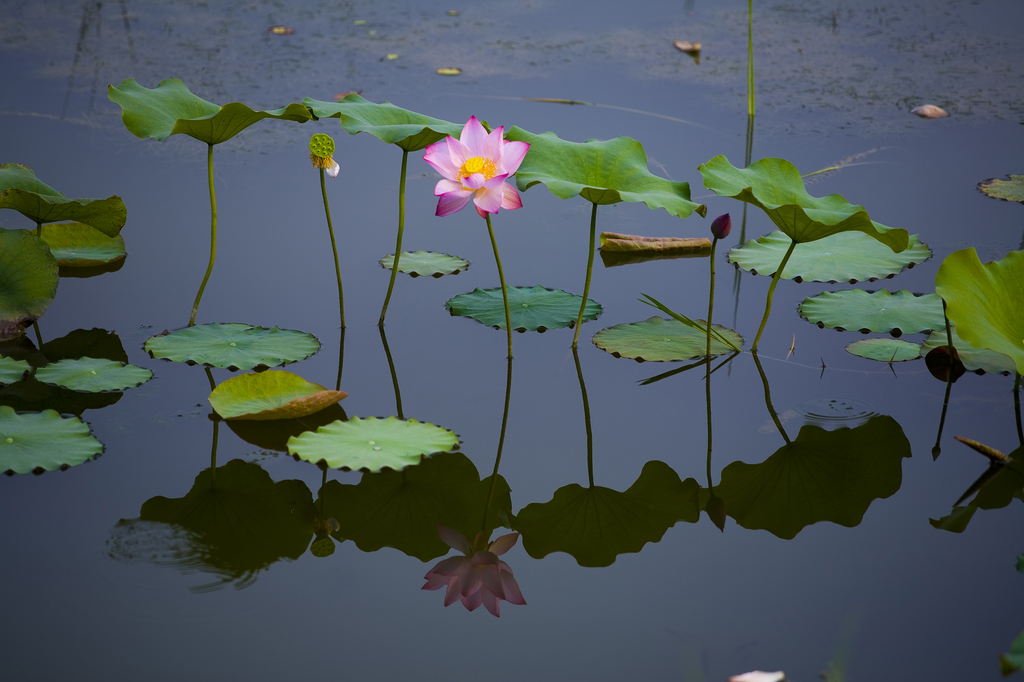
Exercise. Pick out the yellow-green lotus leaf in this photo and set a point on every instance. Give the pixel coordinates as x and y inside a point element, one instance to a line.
<point>274,394</point>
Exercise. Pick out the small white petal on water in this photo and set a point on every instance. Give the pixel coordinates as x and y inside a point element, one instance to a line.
<point>929,111</point>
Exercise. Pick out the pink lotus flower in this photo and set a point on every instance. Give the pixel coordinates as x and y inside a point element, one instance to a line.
<point>475,167</point>
<point>480,577</point>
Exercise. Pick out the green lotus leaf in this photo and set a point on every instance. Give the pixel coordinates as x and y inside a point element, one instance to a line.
<point>274,394</point>
<point>93,375</point>
<point>775,186</point>
<point>659,340</point>
<point>885,350</point>
<point>1013,660</point>
<point>613,259</point>
<point>602,172</point>
<point>43,441</point>
<point>93,343</point>
<point>372,444</point>
<point>613,242</point>
<point>91,270</point>
<point>21,190</point>
<point>402,509</point>
<point>77,245</point>
<point>233,346</point>
<point>12,370</point>
<point>973,359</point>
<point>274,435</point>
<point>821,476</point>
<point>997,487</point>
<point>956,521</point>
<point>985,301</point>
<point>426,263</point>
<point>534,309</point>
<point>594,525</point>
<point>171,109</point>
<point>900,312</point>
<point>1011,189</point>
<point>28,281</point>
<point>235,522</point>
<point>388,123</point>
<point>845,257</point>
<point>31,395</point>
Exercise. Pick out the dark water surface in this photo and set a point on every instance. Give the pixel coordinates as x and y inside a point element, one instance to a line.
<point>88,597</point>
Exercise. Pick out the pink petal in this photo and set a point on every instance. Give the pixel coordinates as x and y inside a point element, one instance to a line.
<point>488,200</point>
<point>491,581</point>
<point>455,566</point>
<point>495,181</point>
<point>470,582</point>
<point>510,199</point>
<point>511,589</point>
<point>491,603</point>
<point>513,154</point>
<point>452,202</point>
<point>435,581</point>
<point>472,602</point>
<point>452,595</point>
<point>484,558</point>
<point>505,542</point>
<point>333,170</point>
<point>482,214</point>
<point>492,145</point>
<point>502,566</point>
<point>474,181</point>
<point>474,136</point>
<point>440,160</point>
<point>446,186</point>
<point>457,152</point>
<point>453,539</point>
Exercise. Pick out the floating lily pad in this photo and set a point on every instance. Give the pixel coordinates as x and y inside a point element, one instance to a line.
<point>821,476</point>
<point>171,109</point>
<point>43,441</point>
<point>594,525</point>
<point>12,370</point>
<point>93,375</point>
<point>1010,189</point>
<point>76,245</point>
<point>372,444</point>
<point>534,309</point>
<point>274,394</point>
<point>885,350</point>
<point>900,312</point>
<point>972,358</point>
<point>602,172</point>
<point>233,346</point>
<point>28,281</point>
<point>388,123</point>
<point>21,190</point>
<point>845,257</point>
<point>985,301</point>
<point>659,340</point>
<point>775,186</point>
<point>426,263</point>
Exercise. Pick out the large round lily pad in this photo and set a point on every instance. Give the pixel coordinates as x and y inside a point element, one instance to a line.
<point>43,441</point>
<point>531,309</point>
<point>93,375</point>
<point>845,257</point>
<point>1010,189</point>
<point>233,346</point>
<point>885,350</point>
<point>76,245</point>
<point>372,444</point>
<point>274,394</point>
<point>900,312</point>
<point>406,129</point>
<point>12,370</point>
<point>659,340</point>
<point>21,190</point>
<point>28,281</point>
<point>426,263</point>
<point>973,359</point>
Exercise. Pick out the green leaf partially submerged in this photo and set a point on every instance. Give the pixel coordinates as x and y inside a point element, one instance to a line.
<point>775,186</point>
<point>659,340</point>
<point>425,263</point>
<point>985,301</point>
<point>274,435</point>
<point>900,312</point>
<point>12,370</point>
<point>534,309</point>
<point>93,375</point>
<point>1010,189</point>
<point>845,257</point>
<point>388,123</point>
<point>372,444</point>
<point>21,190</point>
<point>233,346</point>
<point>602,172</point>
<point>274,394</point>
<point>43,441</point>
<point>973,359</point>
<point>631,243</point>
<point>885,350</point>
<point>28,281</point>
<point>77,245</point>
<point>1013,660</point>
<point>171,109</point>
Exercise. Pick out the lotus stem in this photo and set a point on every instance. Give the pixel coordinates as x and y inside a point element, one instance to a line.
<point>401,230</point>
<point>213,234</point>
<point>771,293</point>
<point>936,451</point>
<point>39,230</point>
<point>748,152</point>
<point>590,270</point>
<point>586,417</point>
<point>334,247</point>
<point>711,302</point>
<point>39,336</point>
<point>750,59</point>
<point>501,444</point>
<point>394,374</point>
<point>320,494</point>
<point>707,397</point>
<point>1016,406</point>
<point>768,400</point>
<point>341,359</point>
<point>504,292</point>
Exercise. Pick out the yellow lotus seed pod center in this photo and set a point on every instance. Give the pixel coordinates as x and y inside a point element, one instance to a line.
<point>478,164</point>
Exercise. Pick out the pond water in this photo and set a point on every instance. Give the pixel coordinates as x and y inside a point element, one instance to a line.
<point>839,570</point>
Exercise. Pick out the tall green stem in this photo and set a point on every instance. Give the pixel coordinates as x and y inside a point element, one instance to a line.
<point>401,230</point>
<point>334,247</point>
<point>586,417</point>
<point>768,399</point>
<point>341,359</point>
<point>501,444</point>
<point>394,375</point>
<point>504,291</point>
<point>213,234</point>
<point>1016,407</point>
<point>590,270</point>
<point>39,336</point>
<point>711,298</point>
<point>937,450</point>
<point>771,293</point>
<point>750,58</point>
<point>39,230</point>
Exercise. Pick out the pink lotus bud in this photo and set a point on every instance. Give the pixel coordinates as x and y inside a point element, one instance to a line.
<point>721,225</point>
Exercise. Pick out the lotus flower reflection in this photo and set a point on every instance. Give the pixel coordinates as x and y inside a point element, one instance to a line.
<point>479,577</point>
<point>475,167</point>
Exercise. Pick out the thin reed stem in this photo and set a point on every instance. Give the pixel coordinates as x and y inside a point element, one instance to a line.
<point>213,235</point>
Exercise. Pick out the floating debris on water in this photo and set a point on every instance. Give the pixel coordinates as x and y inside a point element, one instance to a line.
<point>929,111</point>
<point>342,95</point>
<point>281,30</point>
<point>687,47</point>
<point>392,56</point>
<point>453,12</point>
<point>449,71</point>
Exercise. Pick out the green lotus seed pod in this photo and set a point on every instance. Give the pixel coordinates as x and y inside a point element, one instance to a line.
<point>322,547</point>
<point>322,145</point>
